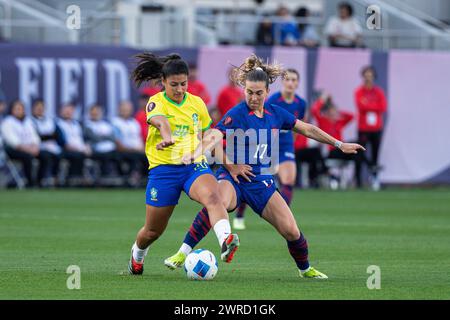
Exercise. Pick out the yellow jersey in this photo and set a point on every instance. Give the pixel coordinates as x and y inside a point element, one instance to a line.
<point>187,120</point>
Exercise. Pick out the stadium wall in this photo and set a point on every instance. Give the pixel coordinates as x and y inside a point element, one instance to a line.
<point>415,147</point>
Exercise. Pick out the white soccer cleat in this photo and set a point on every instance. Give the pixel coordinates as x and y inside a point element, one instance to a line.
<point>229,247</point>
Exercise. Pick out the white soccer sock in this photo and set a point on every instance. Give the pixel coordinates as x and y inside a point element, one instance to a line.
<point>185,248</point>
<point>222,229</point>
<point>139,254</point>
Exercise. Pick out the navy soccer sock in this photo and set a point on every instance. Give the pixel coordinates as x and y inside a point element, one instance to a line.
<point>299,252</point>
<point>199,229</point>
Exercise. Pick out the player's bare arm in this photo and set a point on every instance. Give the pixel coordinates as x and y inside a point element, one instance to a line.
<point>209,140</point>
<point>235,170</point>
<point>212,140</point>
<point>318,134</point>
<point>163,126</point>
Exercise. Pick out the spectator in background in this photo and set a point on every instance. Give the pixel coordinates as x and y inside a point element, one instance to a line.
<point>100,135</point>
<point>76,150</point>
<point>141,115</point>
<point>196,87</point>
<point>229,96</point>
<point>308,151</point>
<point>371,104</point>
<point>21,139</point>
<point>332,121</point>
<point>264,33</point>
<point>344,31</point>
<point>308,34</point>
<point>52,140</point>
<point>129,144</point>
<point>285,29</point>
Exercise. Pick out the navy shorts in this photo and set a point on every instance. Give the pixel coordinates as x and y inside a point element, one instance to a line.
<point>256,193</point>
<point>165,182</point>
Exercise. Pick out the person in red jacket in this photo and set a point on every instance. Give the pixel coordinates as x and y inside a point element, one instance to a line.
<point>308,151</point>
<point>371,104</point>
<point>197,87</point>
<point>229,96</point>
<point>329,118</point>
<point>140,115</point>
<point>332,120</point>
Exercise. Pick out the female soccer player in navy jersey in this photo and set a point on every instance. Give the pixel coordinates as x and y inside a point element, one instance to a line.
<point>247,179</point>
<point>287,169</point>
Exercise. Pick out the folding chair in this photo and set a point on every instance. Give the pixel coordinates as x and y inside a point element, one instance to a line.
<point>8,165</point>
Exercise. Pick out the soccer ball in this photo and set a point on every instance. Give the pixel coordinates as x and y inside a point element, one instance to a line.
<point>201,265</point>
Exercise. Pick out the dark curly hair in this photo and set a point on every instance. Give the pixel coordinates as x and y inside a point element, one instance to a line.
<point>151,67</point>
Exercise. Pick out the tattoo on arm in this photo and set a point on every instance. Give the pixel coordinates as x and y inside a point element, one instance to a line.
<point>319,135</point>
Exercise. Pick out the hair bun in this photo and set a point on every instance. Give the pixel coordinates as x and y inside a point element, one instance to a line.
<point>259,69</point>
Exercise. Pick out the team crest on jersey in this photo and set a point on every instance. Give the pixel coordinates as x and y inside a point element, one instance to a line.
<point>227,121</point>
<point>195,119</point>
<point>150,106</point>
<point>154,194</point>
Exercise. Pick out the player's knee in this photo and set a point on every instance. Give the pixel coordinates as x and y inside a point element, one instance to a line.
<point>212,198</point>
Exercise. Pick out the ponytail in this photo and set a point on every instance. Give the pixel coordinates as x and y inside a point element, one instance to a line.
<point>151,67</point>
<point>254,69</point>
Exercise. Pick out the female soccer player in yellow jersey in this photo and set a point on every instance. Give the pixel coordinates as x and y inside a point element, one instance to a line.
<point>176,120</point>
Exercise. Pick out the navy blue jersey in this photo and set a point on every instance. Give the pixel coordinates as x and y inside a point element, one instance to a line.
<point>252,140</point>
<point>296,108</point>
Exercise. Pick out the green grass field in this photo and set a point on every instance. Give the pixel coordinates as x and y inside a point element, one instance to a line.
<point>404,232</point>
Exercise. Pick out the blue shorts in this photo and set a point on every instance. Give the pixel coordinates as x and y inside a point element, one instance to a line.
<point>165,182</point>
<point>255,193</point>
<point>287,153</point>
